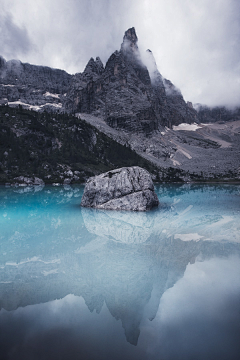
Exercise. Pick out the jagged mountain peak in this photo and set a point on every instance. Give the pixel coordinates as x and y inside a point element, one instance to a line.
<point>130,35</point>
<point>99,63</point>
<point>129,45</point>
<point>94,66</point>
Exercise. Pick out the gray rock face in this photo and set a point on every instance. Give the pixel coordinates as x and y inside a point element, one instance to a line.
<point>34,87</point>
<point>128,188</point>
<point>125,93</point>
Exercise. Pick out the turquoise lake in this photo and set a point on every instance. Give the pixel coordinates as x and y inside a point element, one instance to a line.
<point>79,283</point>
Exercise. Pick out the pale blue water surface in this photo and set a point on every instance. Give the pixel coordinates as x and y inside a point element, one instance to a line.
<point>79,283</point>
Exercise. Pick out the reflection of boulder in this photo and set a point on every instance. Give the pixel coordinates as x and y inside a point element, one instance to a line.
<point>134,227</point>
<point>128,188</point>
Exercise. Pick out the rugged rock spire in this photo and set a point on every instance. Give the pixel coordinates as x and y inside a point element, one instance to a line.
<point>93,68</point>
<point>130,35</point>
<point>129,46</point>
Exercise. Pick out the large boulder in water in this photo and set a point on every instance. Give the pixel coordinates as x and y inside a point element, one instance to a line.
<point>127,188</point>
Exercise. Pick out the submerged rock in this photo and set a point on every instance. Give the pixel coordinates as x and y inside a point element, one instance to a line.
<point>127,188</point>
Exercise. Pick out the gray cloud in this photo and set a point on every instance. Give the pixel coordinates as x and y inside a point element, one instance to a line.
<point>195,43</point>
<point>14,40</point>
<point>63,329</point>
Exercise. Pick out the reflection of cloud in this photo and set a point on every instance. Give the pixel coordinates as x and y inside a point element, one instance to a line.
<point>199,317</point>
<point>14,40</point>
<point>63,329</point>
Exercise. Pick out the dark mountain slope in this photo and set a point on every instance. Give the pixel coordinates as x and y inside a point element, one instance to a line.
<point>57,148</point>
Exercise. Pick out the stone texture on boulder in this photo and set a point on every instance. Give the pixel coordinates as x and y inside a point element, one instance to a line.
<point>127,188</point>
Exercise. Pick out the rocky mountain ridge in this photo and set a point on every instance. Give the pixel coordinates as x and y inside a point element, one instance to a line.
<point>131,104</point>
<point>124,92</point>
<point>217,113</point>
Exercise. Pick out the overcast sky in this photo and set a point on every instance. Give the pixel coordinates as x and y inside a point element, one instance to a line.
<point>196,43</point>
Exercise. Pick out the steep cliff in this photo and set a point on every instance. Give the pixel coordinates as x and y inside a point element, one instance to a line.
<point>127,95</point>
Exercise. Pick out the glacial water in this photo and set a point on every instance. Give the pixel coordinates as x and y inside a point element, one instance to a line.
<point>79,283</point>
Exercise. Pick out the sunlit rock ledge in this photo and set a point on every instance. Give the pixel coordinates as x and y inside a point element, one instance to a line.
<point>128,188</point>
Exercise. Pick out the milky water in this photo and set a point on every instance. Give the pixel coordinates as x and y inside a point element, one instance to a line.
<point>79,283</point>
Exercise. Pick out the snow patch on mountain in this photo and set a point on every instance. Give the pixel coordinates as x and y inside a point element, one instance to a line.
<point>187,127</point>
<point>48,94</point>
<point>34,107</point>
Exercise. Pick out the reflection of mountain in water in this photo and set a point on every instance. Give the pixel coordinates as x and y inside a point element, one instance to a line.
<point>127,260</point>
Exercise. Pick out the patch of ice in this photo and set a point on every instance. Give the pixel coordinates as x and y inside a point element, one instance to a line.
<point>24,105</point>
<point>187,127</point>
<point>33,107</point>
<point>55,105</point>
<point>51,95</point>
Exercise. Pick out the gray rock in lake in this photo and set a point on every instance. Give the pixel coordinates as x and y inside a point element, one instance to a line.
<point>127,188</point>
